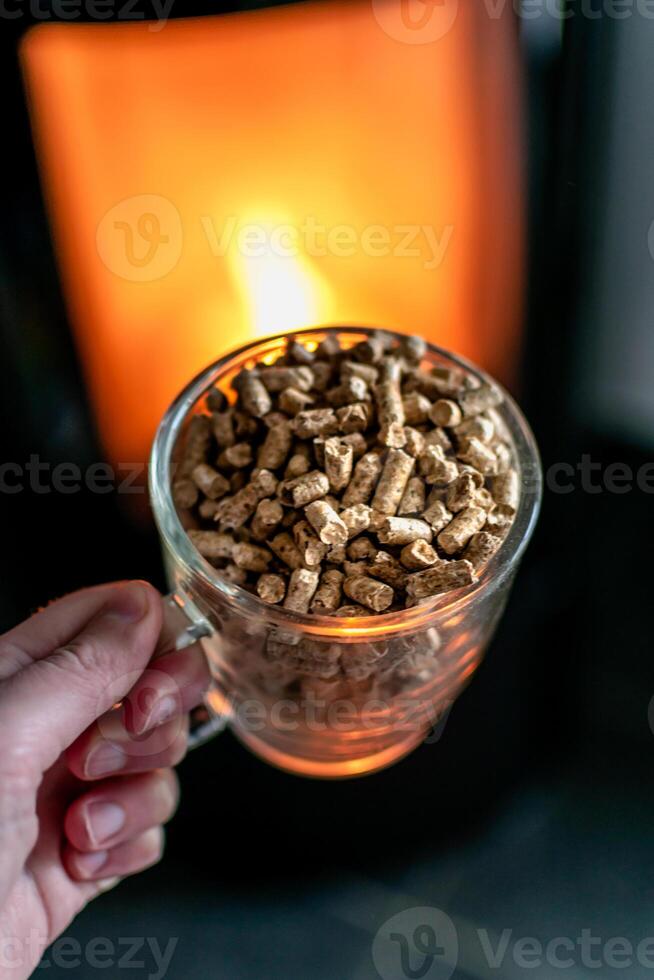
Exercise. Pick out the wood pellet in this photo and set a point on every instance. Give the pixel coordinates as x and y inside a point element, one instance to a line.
<point>348,480</point>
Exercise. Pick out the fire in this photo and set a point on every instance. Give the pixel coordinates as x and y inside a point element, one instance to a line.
<point>220,178</point>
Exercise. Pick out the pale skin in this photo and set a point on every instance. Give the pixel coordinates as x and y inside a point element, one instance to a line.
<point>85,785</point>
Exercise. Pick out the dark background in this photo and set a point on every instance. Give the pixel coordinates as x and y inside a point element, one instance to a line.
<point>533,811</point>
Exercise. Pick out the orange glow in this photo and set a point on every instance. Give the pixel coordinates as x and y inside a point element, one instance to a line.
<point>162,151</point>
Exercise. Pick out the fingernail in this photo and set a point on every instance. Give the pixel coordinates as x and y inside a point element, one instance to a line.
<point>90,862</point>
<point>162,710</point>
<point>128,603</point>
<point>103,820</point>
<point>103,759</point>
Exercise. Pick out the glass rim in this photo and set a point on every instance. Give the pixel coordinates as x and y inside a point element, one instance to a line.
<point>179,544</point>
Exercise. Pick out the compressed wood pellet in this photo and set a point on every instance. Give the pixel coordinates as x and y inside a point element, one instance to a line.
<point>479,455</point>
<point>253,396</point>
<point>328,595</point>
<point>458,532</point>
<point>304,489</point>
<point>309,545</point>
<point>446,412</point>
<point>336,554</point>
<point>207,509</point>
<point>418,554</point>
<point>245,426</point>
<point>298,353</point>
<point>285,548</point>
<point>185,493</point>
<point>353,611</point>
<point>350,390</point>
<point>416,408</point>
<point>462,493</point>
<point>404,530</point>
<point>364,479</point>
<point>267,517</point>
<point>361,549</point>
<point>506,490</point>
<point>354,418</point>
<point>357,369</point>
<point>275,449</point>
<point>368,592</point>
<point>327,524</point>
<point>355,568</point>
<point>435,468</point>
<point>315,422</point>
<point>236,457</point>
<point>213,545</point>
<point>387,568</point>
<point>251,557</point>
<point>196,444</point>
<point>292,401</point>
<point>357,442</point>
<point>477,400</point>
<point>413,349</point>
<point>356,518</point>
<point>499,520</point>
<point>438,437</point>
<point>301,589</point>
<point>240,508</point>
<point>413,498</point>
<point>222,426</point>
<point>212,484</point>
<point>237,481</point>
<point>503,456</point>
<point>298,465</point>
<point>392,482</point>
<point>234,574</point>
<point>339,459</point>
<point>323,373</point>
<point>479,426</point>
<point>278,378</point>
<point>442,577</point>
<point>271,588</point>
<point>481,548</point>
<point>369,351</point>
<point>390,413</point>
<point>216,400</point>
<point>329,347</point>
<point>414,443</point>
<point>341,463</point>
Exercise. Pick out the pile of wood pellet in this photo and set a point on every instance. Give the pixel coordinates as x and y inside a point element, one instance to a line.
<point>348,481</point>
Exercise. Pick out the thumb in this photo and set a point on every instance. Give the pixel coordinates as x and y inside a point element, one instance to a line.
<point>45,706</point>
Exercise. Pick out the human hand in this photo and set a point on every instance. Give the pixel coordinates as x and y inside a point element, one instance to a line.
<point>84,786</point>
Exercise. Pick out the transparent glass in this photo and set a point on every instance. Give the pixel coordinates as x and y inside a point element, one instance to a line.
<point>330,696</point>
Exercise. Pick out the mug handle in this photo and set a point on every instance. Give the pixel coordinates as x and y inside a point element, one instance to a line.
<point>183,625</point>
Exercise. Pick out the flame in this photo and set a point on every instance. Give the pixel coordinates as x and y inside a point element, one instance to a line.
<point>279,292</point>
<point>159,147</point>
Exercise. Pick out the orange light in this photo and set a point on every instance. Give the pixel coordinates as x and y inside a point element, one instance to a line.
<point>187,171</point>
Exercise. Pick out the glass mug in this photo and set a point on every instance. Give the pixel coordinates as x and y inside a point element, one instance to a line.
<point>328,696</point>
